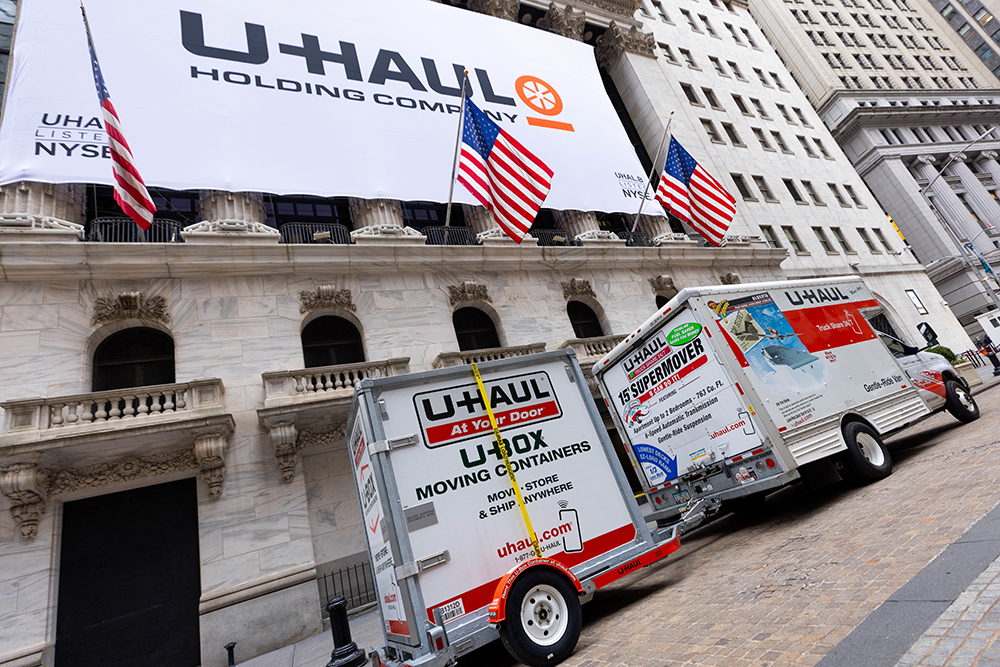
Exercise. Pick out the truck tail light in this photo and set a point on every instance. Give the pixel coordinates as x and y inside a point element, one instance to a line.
<point>770,462</point>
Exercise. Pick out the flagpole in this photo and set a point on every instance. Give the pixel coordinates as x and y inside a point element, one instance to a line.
<point>652,171</point>
<point>454,159</point>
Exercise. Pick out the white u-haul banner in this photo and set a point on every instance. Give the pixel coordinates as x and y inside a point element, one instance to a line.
<point>336,98</point>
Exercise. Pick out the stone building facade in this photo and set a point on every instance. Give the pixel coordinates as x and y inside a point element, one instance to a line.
<point>197,366</point>
<point>901,98</point>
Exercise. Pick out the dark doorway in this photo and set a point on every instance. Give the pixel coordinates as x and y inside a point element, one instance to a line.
<point>474,329</point>
<point>585,321</point>
<point>129,579</point>
<point>137,357</point>
<point>330,341</point>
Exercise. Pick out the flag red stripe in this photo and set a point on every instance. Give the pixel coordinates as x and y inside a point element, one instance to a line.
<point>526,153</point>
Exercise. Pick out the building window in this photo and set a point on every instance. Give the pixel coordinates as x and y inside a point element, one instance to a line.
<point>882,240</point>
<point>691,96</point>
<point>863,233</point>
<point>813,195</point>
<point>711,131</point>
<point>668,53</point>
<point>741,105</point>
<point>741,185</point>
<point>770,237</point>
<point>717,64</point>
<point>765,191</point>
<point>917,303</point>
<point>759,107</point>
<point>853,195</point>
<point>750,39</point>
<point>794,191</point>
<point>585,322</point>
<point>793,240</point>
<point>735,35</point>
<point>763,79</point>
<point>779,141</point>
<point>777,81</point>
<point>823,241</point>
<point>135,357</point>
<point>761,138</point>
<point>836,194</point>
<point>708,26</point>
<point>784,112</point>
<point>802,118</point>
<point>474,329</point>
<point>731,133</point>
<point>805,145</point>
<point>690,19</point>
<point>711,98</point>
<point>662,12</point>
<point>842,240</point>
<point>735,69</point>
<point>330,341</point>
<point>822,148</point>
<point>686,55</point>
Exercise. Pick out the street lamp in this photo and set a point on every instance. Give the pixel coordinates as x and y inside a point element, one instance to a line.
<point>968,247</point>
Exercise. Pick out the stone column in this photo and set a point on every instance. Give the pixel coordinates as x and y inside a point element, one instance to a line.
<point>478,219</point>
<point>501,9</point>
<point>235,217</point>
<point>987,160</point>
<point>563,22</point>
<point>381,221</point>
<point>947,202</point>
<point>43,211</point>
<point>583,226</point>
<point>653,225</point>
<point>978,196</point>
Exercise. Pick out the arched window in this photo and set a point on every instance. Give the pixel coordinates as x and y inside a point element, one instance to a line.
<point>661,301</point>
<point>329,341</point>
<point>584,319</point>
<point>475,329</point>
<point>136,357</point>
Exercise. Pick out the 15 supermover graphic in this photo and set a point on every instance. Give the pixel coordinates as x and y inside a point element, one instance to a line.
<point>731,391</point>
<point>476,534</point>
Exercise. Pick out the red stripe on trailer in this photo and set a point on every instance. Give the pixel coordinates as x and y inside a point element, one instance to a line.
<point>737,352</point>
<point>645,559</point>
<point>398,627</point>
<point>829,327</point>
<point>482,595</point>
<point>739,388</point>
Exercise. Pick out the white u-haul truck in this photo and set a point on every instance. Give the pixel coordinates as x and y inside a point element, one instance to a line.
<point>453,561</point>
<point>731,391</point>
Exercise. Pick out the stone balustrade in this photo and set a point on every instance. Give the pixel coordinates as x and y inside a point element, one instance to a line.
<point>592,348</point>
<point>307,384</point>
<point>449,359</point>
<point>43,416</point>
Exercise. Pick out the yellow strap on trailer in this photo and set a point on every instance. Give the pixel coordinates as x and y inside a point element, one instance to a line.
<point>506,462</point>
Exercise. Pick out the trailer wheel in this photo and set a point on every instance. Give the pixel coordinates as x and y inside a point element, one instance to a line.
<point>543,618</point>
<point>866,457</point>
<point>959,402</point>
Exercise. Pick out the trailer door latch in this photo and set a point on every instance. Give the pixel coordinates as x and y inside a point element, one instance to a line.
<point>394,443</point>
<point>418,566</point>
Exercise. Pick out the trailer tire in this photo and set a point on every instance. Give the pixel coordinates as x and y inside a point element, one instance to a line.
<point>866,457</point>
<point>543,618</point>
<point>959,402</point>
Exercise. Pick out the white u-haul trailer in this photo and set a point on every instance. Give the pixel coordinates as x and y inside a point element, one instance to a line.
<point>731,391</point>
<point>452,559</point>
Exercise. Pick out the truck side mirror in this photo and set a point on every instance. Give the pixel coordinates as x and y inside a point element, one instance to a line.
<point>927,331</point>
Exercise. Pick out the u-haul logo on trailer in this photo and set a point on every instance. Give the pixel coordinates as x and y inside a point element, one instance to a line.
<point>457,413</point>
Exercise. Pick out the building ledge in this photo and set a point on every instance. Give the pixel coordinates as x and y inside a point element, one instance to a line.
<point>449,359</point>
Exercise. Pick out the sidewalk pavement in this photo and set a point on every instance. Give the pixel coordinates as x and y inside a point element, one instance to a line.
<point>961,636</point>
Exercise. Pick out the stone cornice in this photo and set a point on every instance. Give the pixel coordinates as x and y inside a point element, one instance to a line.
<point>904,94</point>
<point>103,261</point>
<point>909,116</point>
<point>876,155</point>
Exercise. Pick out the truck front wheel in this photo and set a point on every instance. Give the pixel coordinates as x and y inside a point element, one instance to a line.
<point>866,457</point>
<point>543,618</point>
<point>960,403</point>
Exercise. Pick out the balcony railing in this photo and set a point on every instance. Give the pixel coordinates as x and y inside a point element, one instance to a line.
<point>449,236</point>
<point>326,381</point>
<point>315,232</point>
<point>635,239</point>
<point>124,406</point>
<point>554,237</point>
<point>592,348</point>
<point>448,359</point>
<point>124,230</point>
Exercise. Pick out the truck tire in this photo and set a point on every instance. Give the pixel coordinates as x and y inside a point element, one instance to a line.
<point>866,457</point>
<point>543,618</point>
<point>959,402</point>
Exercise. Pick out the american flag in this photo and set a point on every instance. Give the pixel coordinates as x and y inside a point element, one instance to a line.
<point>502,174</point>
<point>690,193</point>
<point>130,191</point>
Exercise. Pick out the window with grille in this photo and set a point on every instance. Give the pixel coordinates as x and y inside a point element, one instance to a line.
<point>136,357</point>
<point>585,322</point>
<point>329,341</point>
<point>474,329</point>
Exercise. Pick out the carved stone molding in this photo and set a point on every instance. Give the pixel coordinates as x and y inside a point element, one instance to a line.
<point>283,436</point>
<point>130,305</point>
<point>663,286</point>
<point>616,41</point>
<point>563,22</point>
<point>624,8</point>
<point>469,291</point>
<point>322,437</point>
<point>24,484</point>
<point>501,9</point>
<point>577,287</point>
<point>988,155</point>
<point>210,450</point>
<point>926,159</point>
<point>730,279</point>
<point>326,296</point>
<point>959,157</point>
<point>122,470</point>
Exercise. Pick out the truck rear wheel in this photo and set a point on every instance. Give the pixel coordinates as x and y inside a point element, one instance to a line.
<point>866,457</point>
<point>543,618</point>
<point>959,402</point>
